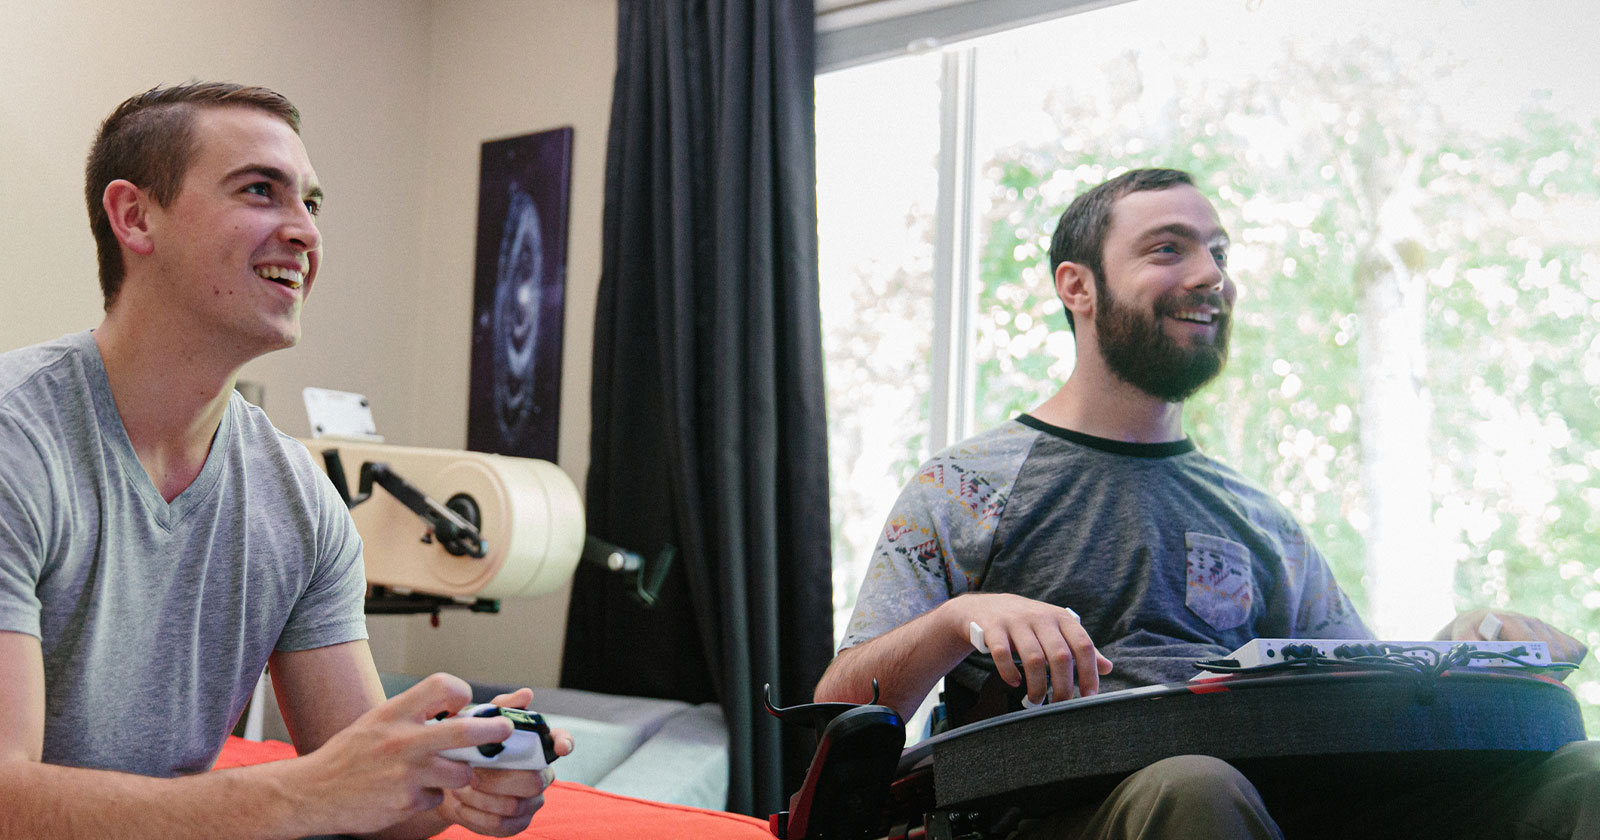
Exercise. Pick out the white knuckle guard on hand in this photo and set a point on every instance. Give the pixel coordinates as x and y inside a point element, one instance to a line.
<point>1489,628</point>
<point>975,635</point>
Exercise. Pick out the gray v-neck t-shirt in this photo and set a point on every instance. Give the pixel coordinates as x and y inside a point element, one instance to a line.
<point>155,618</point>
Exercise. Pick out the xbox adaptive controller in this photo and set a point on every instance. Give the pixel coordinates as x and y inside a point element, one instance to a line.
<point>530,746</point>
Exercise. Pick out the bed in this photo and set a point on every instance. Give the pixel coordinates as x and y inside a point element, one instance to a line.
<point>666,751</point>
<point>571,811</point>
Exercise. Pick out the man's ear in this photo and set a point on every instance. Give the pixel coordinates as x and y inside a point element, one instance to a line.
<point>128,207</point>
<point>1075,288</point>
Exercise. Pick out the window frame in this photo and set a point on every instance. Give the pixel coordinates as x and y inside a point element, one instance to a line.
<point>863,32</point>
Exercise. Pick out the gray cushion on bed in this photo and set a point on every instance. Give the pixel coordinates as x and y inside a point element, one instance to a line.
<point>685,762</point>
<point>599,747</point>
<point>646,747</point>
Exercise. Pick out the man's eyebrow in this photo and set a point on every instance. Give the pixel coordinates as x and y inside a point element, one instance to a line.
<point>273,174</point>
<point>1179,229</point>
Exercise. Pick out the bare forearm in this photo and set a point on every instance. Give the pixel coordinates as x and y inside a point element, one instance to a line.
<point>1049,640</point>
<point>47,801</point>
<point>425,824</point>
<point>906,661</point>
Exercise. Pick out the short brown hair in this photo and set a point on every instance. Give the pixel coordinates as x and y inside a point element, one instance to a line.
<point>149,141</point>
<point>1080,236</point>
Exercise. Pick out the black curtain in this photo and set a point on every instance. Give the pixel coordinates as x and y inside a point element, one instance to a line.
<point>708,426</point>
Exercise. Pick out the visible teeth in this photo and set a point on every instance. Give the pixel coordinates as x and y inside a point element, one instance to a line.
<point>290,277</point>
<point>1191,315</point>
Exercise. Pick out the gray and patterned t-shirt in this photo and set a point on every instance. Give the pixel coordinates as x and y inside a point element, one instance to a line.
<point>1166,555</point>
<point>156,618</point>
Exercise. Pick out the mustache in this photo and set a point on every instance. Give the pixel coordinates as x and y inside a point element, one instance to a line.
<point>1194,300</point>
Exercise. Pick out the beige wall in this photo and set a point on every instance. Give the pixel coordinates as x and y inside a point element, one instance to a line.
<point>500,68</point>
<point>396,95</point>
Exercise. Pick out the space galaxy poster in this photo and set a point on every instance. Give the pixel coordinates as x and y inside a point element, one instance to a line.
<point>518,298</point>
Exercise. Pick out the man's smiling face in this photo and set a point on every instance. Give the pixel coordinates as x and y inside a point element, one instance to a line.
<point>1163,310</point>
<point>238,248</point>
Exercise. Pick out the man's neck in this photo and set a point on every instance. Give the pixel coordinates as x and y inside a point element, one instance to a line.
<point>170,394</point>
<point>1095,402</point>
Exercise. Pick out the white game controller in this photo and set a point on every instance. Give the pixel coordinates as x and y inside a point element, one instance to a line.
<point>530,746</point>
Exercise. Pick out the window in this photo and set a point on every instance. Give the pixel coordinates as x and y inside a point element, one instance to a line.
<point>1413,191</point>
<point>877,317</point>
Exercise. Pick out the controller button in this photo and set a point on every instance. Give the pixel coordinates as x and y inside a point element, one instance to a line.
<point>491,750</point>
<point>526,721</point>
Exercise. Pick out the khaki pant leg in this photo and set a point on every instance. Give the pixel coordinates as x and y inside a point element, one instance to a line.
<point>1559,797</point>
<point>1190,797</point>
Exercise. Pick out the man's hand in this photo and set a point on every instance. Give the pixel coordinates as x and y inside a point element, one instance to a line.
<point>500,803</point>
<point>1515,627</point>
<point>908,660</point>
<point>385,766</point>
<point>1049,640</point>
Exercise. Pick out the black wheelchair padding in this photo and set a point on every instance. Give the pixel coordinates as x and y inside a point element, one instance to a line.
<point>844,793</point>
<point>1035,758</point>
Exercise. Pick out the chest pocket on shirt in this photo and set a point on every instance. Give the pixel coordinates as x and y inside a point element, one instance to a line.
<point>1221,587</point>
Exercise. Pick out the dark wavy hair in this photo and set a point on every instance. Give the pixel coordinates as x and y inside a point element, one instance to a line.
<point>1080,236</point>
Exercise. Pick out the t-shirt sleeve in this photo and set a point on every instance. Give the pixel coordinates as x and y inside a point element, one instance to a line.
<point>940,533</point>
<point>24,501</point>
<point>330,610</point>
<point>935,542</point>
<point>909,573</point>
<point>1323,610</point>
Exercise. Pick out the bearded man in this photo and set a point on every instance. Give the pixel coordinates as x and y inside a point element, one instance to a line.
<point>1092,531</point>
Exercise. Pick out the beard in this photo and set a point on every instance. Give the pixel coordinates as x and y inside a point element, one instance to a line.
<point>1141,354</point>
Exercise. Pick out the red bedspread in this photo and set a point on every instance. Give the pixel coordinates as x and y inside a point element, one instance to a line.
<point>571,811</point>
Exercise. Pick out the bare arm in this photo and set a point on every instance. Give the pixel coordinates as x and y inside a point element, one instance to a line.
<point>323,691</point>
<point>332,702</point>
<point>45,801</point>
<point>908,660</point>
<point>380,770</point>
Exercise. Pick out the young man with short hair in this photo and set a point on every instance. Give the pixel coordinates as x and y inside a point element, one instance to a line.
<point>161,542</point>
